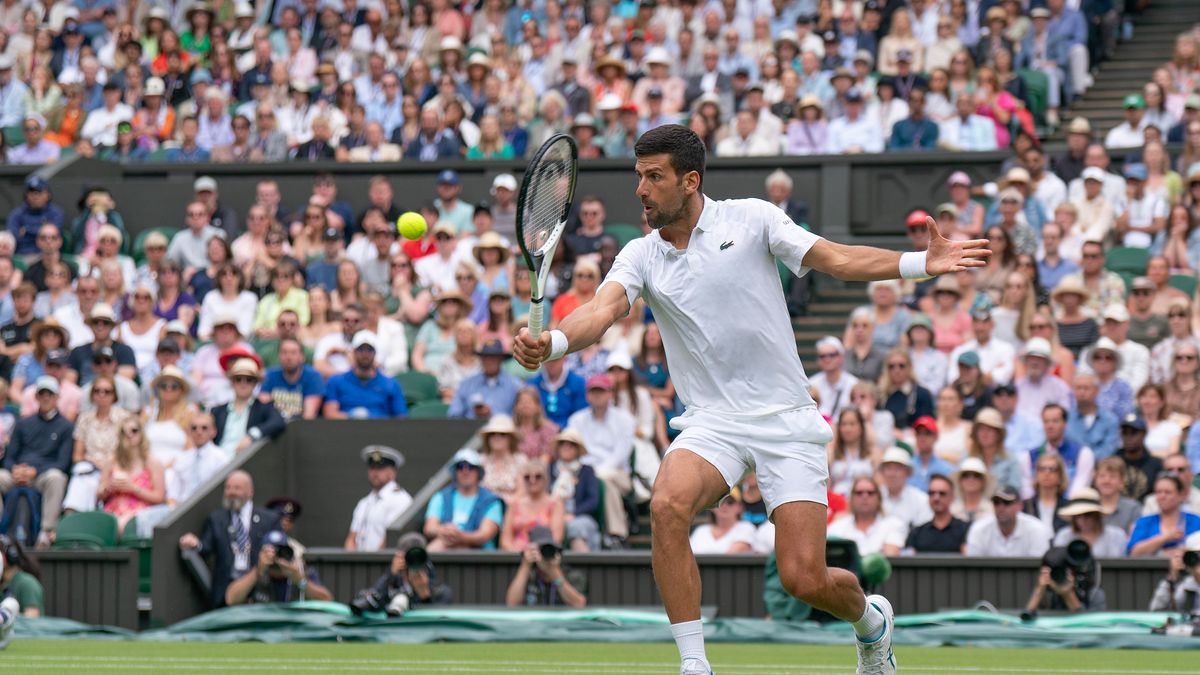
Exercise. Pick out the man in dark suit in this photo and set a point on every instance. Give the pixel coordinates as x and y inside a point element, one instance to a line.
<point>233,535</point>
<point>321,146</point>
<point>245,419</point>
<point>435,142</point>
<point>710,81</point>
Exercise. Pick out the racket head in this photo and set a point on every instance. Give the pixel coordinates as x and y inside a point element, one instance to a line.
<point>547,191</point>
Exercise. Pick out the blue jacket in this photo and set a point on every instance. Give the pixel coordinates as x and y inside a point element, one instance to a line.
<point>587,490</point>
<point>1103,437</point>
<point>482,504</point>
<point>564,401</point>
<point>24,222</point>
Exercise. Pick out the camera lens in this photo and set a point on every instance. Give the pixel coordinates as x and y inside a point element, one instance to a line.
<point>416,557</point>
<point>548,551</point>
<point>1191,559</point>
<point>285,553</point>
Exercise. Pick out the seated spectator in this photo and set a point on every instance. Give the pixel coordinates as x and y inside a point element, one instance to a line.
<point>134,480</point>
<point>17,332</point>
<point>902,501</point>
<point>1120,511</point>
<point>245,420</point>
<point>233,535</point>
<point>285,295</point>
<point>917,131</point>
<point>155,247</point>
<point>363,391</point>
<point>97,433</point>
<point>502,459</point>
<point>463,362</point>
<point>966,130</point>
<point>1086,516</point>
<point>20,580</point>
<point>1007,533</point>
<point>465,514</point>
<point>437,270</point>
<point>536,433</point>
<point>38,457</point>
<point>929,363</point>
<point>575,483</point>
<point>903,397</point>
<point>727,534</point>
<point>1177,464</point>
<point>69,394</point>
<point>864,359</point>
<point>27,221</point>
<point>987,443</point>
<point>1163,434</point>
<point>57,294</point>
<point>1115,395</point>
<point>207,371</point>
<point>974,487</point>
<point>808,132</point>
<point>169,415</point>
<point>294,388</point>
<point>584,282</point>
<point>541,579</point>
<point>102,321</point>
<point>1182,387</point>
<point>333,353</point>
<point>925,462</point>
<point>198,462</point>
<point>410,581</point>
<point>435,340</point>
<point>608,432</point>
<point>229,299</point>
<point>143,329</point>
<point>563,393</point>
<point>865,397</point>
<point>393,341</point>
<point>1158,533</point>
<point>943,533</point>
<point>953,430</point>
<point>1078,461</point>
<point>491,391</point>
<point>287,326</point>
<point>1020,433</point>
<point>1048,491</point>
<point>189,247</point>
<point>1089,425</point>
<point>832,382</point>
<point>278,576</point>
<point>533,507</point>
<point>866,524</point>
<point>851,452</point>
<point>951,325</point>
<point>386,501</point>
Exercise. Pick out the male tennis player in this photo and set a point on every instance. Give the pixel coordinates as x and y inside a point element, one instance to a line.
<point>708,273</point>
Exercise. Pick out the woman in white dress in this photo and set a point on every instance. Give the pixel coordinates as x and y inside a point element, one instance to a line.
<point>1163,434</point>
<point>168,416</point>
<point>229,297</point>
<point>143,330</point>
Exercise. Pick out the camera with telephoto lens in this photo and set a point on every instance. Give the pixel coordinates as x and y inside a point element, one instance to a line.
<point>548,551</point>
<point>391,598</point>
<point>1075,557</point>
<point>285,552</point>
<point>1191,559</point>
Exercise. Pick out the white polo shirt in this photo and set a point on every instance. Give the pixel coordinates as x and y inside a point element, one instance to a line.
<point>375,512</point>
<point>1030,538</point>
<point>720,307</point>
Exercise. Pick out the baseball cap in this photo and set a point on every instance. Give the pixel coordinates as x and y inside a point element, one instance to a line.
<point>916,218</point>
<point>854,95</point>
<point>205,184</point>
<point>1005,493</point>
<point>969,358</point>
<point>102,311</point>
<point>1006,389</point>
<point>58,356</point>
<point>276,538</point>
<point>104,352</point>
<point>37,183</point>
<point>493,347</point>
<point>1017,175</point>
<point>1133,421</point>
<point>981,314</point>
<point>1039,13</point>
<point>1142,284</point>
<point>894,455</point>
<point>1117,312</point>
<point>1135,171</point>
<point>364,338</point>
<point>168,345</point>
<point>904,56</point>
<point>959,178</point>
<point>925,422</point>
<point>331,234</point>
<point>599,381</point>
<point>47,383</point>
<point>504,180</point>
<point>201,75</point>
<point>448,177</point>
<point>1133,101</point>
<point>1079,125</point>
<point>1093,173</point>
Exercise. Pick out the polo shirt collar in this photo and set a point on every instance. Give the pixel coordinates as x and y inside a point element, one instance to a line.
<point>703,224</point>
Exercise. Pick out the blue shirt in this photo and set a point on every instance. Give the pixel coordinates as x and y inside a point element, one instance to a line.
<point>920,474</point>
<point>910,134</point>
<point>461,507</point>
<point>565,401</point>
<point>1191,447</point>
<point>1050,276</point>
<point>322,273</point>
<point>1021,434</point>
<point>1115,398</point>
<point>288,397</point>
<point>1148,527</point>
<point>1103,436</point>
<point>377,397</point>
<point>499,393</point>
<point>23,223</point>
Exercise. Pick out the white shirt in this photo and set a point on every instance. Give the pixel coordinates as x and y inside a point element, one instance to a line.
<point>609,441</point>
<point>724,323</point>
<point>1126,136</point>
<point>1142,213</point>
<point>1050,192</point>
<point>375,513</point>
<point>1135,364</point>
<point>437,272</point>
<point>752,146</point>
<point>863,133</point>
<point>703,540</point>
<point>910,507</point>
<point>1030,538</point>
<point>1113,190</point>
<point>191,469</point>
<point>996,358</point>
<point>101,125</point>
<point>885,530</point>
<point>71,317</point>
<point>339,362</point>
<point>834,397</point>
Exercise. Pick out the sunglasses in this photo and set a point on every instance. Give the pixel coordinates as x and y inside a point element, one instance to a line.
<point>169,386</point>
<point>897,366</point>
<point>463,466</point>
<point>200,427</point>
<point>1185,357</point>
<point>103,391</point>
<point>1177,315</point>
<point>831,355</point>
<point>1104,357</point>
<point>534,476</point>
<point>131,431</point>
<point>243,379</point>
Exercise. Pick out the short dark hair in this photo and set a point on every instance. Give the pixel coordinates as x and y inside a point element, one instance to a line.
<point>941,477</point>
<point>1054,406</point>
<point>685,148</point>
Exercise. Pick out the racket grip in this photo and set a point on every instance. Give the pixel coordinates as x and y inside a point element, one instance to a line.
<point>537,317</point>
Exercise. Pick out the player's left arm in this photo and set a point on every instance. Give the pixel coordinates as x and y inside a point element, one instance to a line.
<point>867,263</point>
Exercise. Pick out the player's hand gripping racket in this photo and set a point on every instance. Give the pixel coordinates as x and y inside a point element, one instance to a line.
<point>542,207</point>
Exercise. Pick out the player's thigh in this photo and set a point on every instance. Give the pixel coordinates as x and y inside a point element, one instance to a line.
<point>688,483</point>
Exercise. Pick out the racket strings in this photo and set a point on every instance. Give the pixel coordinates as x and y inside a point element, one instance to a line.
<point>549,192</point>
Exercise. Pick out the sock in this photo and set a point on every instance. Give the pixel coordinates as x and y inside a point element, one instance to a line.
<point>689,637</point>
<point>870,627</point>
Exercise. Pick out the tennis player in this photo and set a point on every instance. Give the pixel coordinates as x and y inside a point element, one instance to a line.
<point>708,273</point>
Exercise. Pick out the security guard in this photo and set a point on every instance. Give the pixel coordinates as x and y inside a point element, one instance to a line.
<point>385,502</point>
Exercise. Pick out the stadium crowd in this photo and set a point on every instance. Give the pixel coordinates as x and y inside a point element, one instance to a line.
<point>234,81</point>
<point>1044,398</point>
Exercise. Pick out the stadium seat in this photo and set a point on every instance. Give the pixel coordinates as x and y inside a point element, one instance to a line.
<point>19,263</point>
<point>1037,88</point>
<point>94,531</point>
<point>1184,282</point>
<point>429,410</point>
<point>144,547</point>
<point>139,244</point>
<point>1127,259</point>
<point>418,387</point>
<point>624,233</point>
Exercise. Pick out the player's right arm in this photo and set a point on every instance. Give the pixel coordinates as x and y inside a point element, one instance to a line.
<point>583,327</point>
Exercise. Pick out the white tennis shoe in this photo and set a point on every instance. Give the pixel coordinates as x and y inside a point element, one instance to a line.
<point>695,667</point>
<point>876,658</point>
<point>9,609</point>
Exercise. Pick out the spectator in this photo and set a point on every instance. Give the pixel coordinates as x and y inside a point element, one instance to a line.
<point>207,371</point>
<point>866,525</point>
<point>17,332</point>
<point>929,363</point>
<point>502,461</point>
<point>1039,387</point>
<point>1141,467</point>
<point>230,298</point>
<point>1008,532</point>
<point>575,483</point>
<point>104,364</point>
<point>100,129</point>
<point>294,388</point>
<point>70,396</point>
<point>1177,464</point>
<point>36,149</point>
<point>901,500</point>
<point>953,429</point>
<point>917,131</point>
<point>533,507</point>
<point>966,130</point>
<point>808,132</point>
<point>974,491</point>
<point>536,432</point>
<point>437,270</point>
<point>1159,532</point>
<point>434,142</point>
<point>728,533</point>
<point>1183,386</point>
<point>1141,219</point>
<point>134,480</point>
<point>96,435</point>
<point>58,294</point>
<point>25,221</point>
<point>189,247</point>
<point>1177,592</point>
<point>1116,396</point>
<point>38,457</point>
<point>46,336</point>
<point>608,433</point>
<point>863,359</point>
<point>584,282</point>
<point>363,391</point>
<point>851,453</point>
<point>903,397</point>
<point>950,324</point>
<point>201,460</point>
<point>856,132</point>
<point>465,514</point>
<point>284,296</point>
<point>1128,134</point>
<point>278,576</point>
<point>1164,434</point>
<point>987,443</point>
<point>1048,490</point>
<point>541,580</point>
<point>385,503</point>
<point>333,353</point>
<point>943,533</point>
<point>491,391</point>
<point>168,417</point>
<point>996,357</point>
<point>833,383</point>
<point>1121,511</point>
<point>971,385</point>
<point>924,462</point>
<point>20,579</point>
<point>245,419</point>
<point>1146,327</point>
<point>101,320</point>
<point>1087,424</point>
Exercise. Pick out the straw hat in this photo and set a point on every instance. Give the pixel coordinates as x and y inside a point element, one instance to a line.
<point>990,417</point>
<point>1071,285</point>
<point>493,241</point>
<point>571,436</point>
<point>1084,500</point>
<point>172,373</point>
<point>447,296</point>
<point>50,324</point>
<point>245,367</point>
<point>610,62</point>
<point>499,424</point>
<point>947,284</point>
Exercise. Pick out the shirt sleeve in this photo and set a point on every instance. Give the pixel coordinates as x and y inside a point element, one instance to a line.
<point>787,241</point>
<point>493,513</point>
<point>435,507</point>
<point>627,269</point>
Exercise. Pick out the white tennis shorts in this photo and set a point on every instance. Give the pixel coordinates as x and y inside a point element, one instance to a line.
<point>786,450</point>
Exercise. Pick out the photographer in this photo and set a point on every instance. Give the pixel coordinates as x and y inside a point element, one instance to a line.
<point>541,579</point>
<point>410,582</point>
<point>279,576</point>
<point>1068,581</point>
<point>1180,591</point>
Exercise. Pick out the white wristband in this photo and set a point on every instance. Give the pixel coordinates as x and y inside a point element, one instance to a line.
<point>912,265</point>
<point>558,345</point>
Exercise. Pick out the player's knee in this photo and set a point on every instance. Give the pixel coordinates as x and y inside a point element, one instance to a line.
<point>670,509</point>
<point>803,581</point>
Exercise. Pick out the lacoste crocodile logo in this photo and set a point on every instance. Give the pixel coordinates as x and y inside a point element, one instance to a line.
<point>726,245</point>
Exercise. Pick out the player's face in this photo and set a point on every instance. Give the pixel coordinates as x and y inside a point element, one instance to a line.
<point>661,191</point>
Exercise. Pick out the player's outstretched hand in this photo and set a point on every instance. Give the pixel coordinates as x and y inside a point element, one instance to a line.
<point>947,256</point>
<point>529,351</point>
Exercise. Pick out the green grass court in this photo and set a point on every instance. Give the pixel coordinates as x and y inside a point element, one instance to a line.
<point>42,656</point>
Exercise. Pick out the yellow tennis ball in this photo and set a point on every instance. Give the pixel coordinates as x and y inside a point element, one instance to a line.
<point>411,225</point>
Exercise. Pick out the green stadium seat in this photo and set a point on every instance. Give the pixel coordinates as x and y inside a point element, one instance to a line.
<point>1127,259</point>
<point>429,410</point>
<point>139,243</point>
<point>418,387</point>
<point>624,233</point>
<point>144,547</point>
<point>19,263</point>
<point>1037,88</point>
<point>93,531</point>
<point>1184,282</point>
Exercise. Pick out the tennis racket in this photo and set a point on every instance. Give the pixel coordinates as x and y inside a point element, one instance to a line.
<point>547,190</point>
